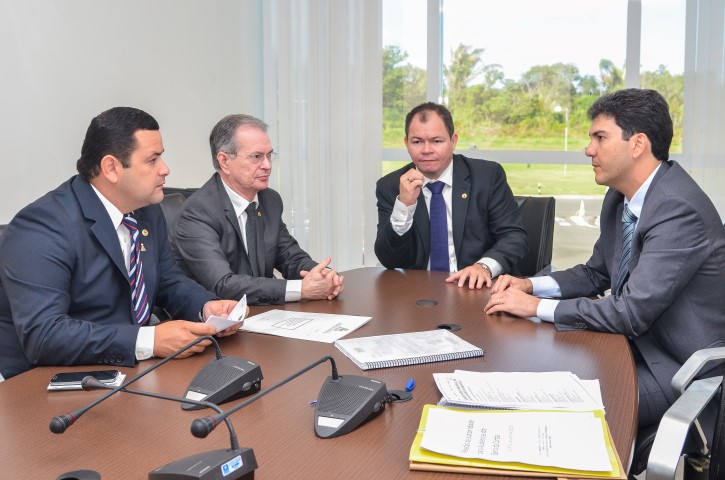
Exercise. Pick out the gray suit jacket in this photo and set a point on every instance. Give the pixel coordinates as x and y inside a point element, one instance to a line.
<point>673,302</point>
<point>486,220</point>
<point>207,242</point>
<point>65,298</point>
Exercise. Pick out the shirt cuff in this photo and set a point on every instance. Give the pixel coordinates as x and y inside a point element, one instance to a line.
<point>145,343</point>
<point>401,218</point>
<point>493,265</point>
<point>546,308</point>
<point>293,291</point>
<point>545,287</point>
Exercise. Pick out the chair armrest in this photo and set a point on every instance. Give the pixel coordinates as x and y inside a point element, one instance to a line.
<point>674,426</point>
<point>693,366</point>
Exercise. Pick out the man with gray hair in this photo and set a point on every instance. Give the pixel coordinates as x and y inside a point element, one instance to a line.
<point>230,235</point>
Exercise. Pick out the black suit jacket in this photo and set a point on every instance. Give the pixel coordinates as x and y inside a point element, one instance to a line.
<point>486,220</point>
<point>207,242</point>
<point>65,298</point>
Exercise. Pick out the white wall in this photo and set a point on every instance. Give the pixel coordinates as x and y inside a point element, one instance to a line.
<point>187,63</point>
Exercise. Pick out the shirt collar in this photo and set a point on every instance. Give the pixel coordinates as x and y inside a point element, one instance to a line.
<point>239,203</point>
<point>637,202</point>
<point>115,214</point>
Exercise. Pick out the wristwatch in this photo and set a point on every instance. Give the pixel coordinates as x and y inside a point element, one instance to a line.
<point>486,267</point>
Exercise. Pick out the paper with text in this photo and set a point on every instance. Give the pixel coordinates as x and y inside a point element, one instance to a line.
<point>517,390</point>
<point>317,327</point>
<point>235,316</point>
<point>571,440</point>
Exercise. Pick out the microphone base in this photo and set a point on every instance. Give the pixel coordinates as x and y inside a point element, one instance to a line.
<point>227,464</point>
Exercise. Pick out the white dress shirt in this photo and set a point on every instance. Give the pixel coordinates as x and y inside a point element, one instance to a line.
<point>145,338</point>
<point>402,215</point>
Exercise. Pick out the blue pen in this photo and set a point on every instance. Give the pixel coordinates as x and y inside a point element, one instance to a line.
<point>313,402</point>
<point>410,385</point>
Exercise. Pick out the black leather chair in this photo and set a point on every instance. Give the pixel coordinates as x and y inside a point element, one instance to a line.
<point>186,192</point>
<point>172,205</point>
<point>537,214</point>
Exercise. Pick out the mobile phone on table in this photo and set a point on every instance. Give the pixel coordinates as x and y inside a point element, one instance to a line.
<point>72,380</point>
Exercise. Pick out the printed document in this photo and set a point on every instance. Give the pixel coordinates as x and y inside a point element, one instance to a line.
<point>518,390</point>
<point>318,327</point>
<point>571,440</point>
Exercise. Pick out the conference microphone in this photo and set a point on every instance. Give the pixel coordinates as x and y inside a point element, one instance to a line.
<point>232,463</point>
<point>345,402</point>
<point>61,423</point>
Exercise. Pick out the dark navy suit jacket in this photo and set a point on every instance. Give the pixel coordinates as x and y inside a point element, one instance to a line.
<point>486,220</point>
<point>64,292</point>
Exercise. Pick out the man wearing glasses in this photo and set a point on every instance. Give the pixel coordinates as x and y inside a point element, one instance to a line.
<point>230,235</point>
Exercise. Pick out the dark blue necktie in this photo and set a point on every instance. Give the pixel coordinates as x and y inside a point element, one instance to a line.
<point>139,297</point>
<point>629,220</point>
<point>438,229</point>
<point>251,231</point>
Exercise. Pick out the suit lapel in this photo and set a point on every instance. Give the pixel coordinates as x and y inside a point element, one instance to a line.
<point>231,217</point>
<point>617,245</point>
<point>459,199</point>
<point>101,227</point>
<point>421,223</point>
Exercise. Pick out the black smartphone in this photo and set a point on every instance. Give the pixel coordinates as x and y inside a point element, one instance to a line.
<point>72,380</point>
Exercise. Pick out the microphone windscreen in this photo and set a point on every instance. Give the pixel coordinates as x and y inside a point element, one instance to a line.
<point>60,423</point>
<point>91,383</point>
<point>201,427</point>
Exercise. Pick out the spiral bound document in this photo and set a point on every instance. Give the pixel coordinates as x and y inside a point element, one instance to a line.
<point>400,349</point>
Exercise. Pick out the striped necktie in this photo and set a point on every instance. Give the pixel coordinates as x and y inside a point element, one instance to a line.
<point>439,260</point>
<point>139,298</point>
<point>629,220</point>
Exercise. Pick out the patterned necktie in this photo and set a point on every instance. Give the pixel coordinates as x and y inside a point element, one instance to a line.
<point>438,229</point>
<point>629,220</point>
<point>251,231</point>
<point>139,298</point>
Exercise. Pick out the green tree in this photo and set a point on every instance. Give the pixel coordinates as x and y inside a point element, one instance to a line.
<point>612,78</point>
<point>553,83</point>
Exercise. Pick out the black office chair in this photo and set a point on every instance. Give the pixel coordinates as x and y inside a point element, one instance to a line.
<point>537,214</point>
<point>680,449</point>
<point>172,205</point>
<point>186,192</point>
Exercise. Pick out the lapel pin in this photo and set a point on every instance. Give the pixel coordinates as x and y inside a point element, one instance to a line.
<point>145,232</point>
<point>143,247</point>
<point>259,214</point>
<point>464,196</point>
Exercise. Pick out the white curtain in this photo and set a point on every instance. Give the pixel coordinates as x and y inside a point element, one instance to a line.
<point>704,121</point>
<point>323,101</point>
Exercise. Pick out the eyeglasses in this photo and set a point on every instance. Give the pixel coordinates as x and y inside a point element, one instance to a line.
<point>257,158</point>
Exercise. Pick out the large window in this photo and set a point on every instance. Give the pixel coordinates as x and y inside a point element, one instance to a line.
<point>519,75</point>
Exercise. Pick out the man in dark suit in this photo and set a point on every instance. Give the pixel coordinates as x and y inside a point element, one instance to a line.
<point>661,252</point>
<point>477,234</point>
<point>230,235</point>
<point>82,266</point>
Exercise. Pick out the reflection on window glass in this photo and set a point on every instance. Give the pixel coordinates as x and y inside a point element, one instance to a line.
<point>662,56</point>
<point>404,65</point>
<point>520,74</point>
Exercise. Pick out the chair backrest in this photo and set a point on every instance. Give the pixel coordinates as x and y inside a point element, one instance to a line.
<point>172,205</point>
<point>186,192</point>
<point>2,230</point>
<point>537,214</point>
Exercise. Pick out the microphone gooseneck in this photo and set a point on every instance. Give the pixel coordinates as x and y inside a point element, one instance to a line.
<point>201,427</point>
<point>61,423</point>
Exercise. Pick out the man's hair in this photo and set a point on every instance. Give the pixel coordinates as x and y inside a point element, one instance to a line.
<point>112,133</point>
<point>223,137</point>
<point>636,110</point>
<point>423,110</point>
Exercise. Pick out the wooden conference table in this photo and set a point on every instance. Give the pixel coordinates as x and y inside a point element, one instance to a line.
<point>127,436</point>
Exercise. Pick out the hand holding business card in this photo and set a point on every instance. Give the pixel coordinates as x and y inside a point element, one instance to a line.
<point>235,316</point>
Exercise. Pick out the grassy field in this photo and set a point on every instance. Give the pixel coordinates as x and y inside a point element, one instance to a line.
<point>538,179</point>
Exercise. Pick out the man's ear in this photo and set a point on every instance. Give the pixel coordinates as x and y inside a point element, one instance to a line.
<point>223,160</point>
<point>640,144</point>
<point>110,166</point>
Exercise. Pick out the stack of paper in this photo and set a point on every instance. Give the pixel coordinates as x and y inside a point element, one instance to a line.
<point>518,390</point>
<point>532,443</point>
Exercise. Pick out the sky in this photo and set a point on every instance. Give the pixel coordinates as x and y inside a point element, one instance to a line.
<point>518,34</point>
